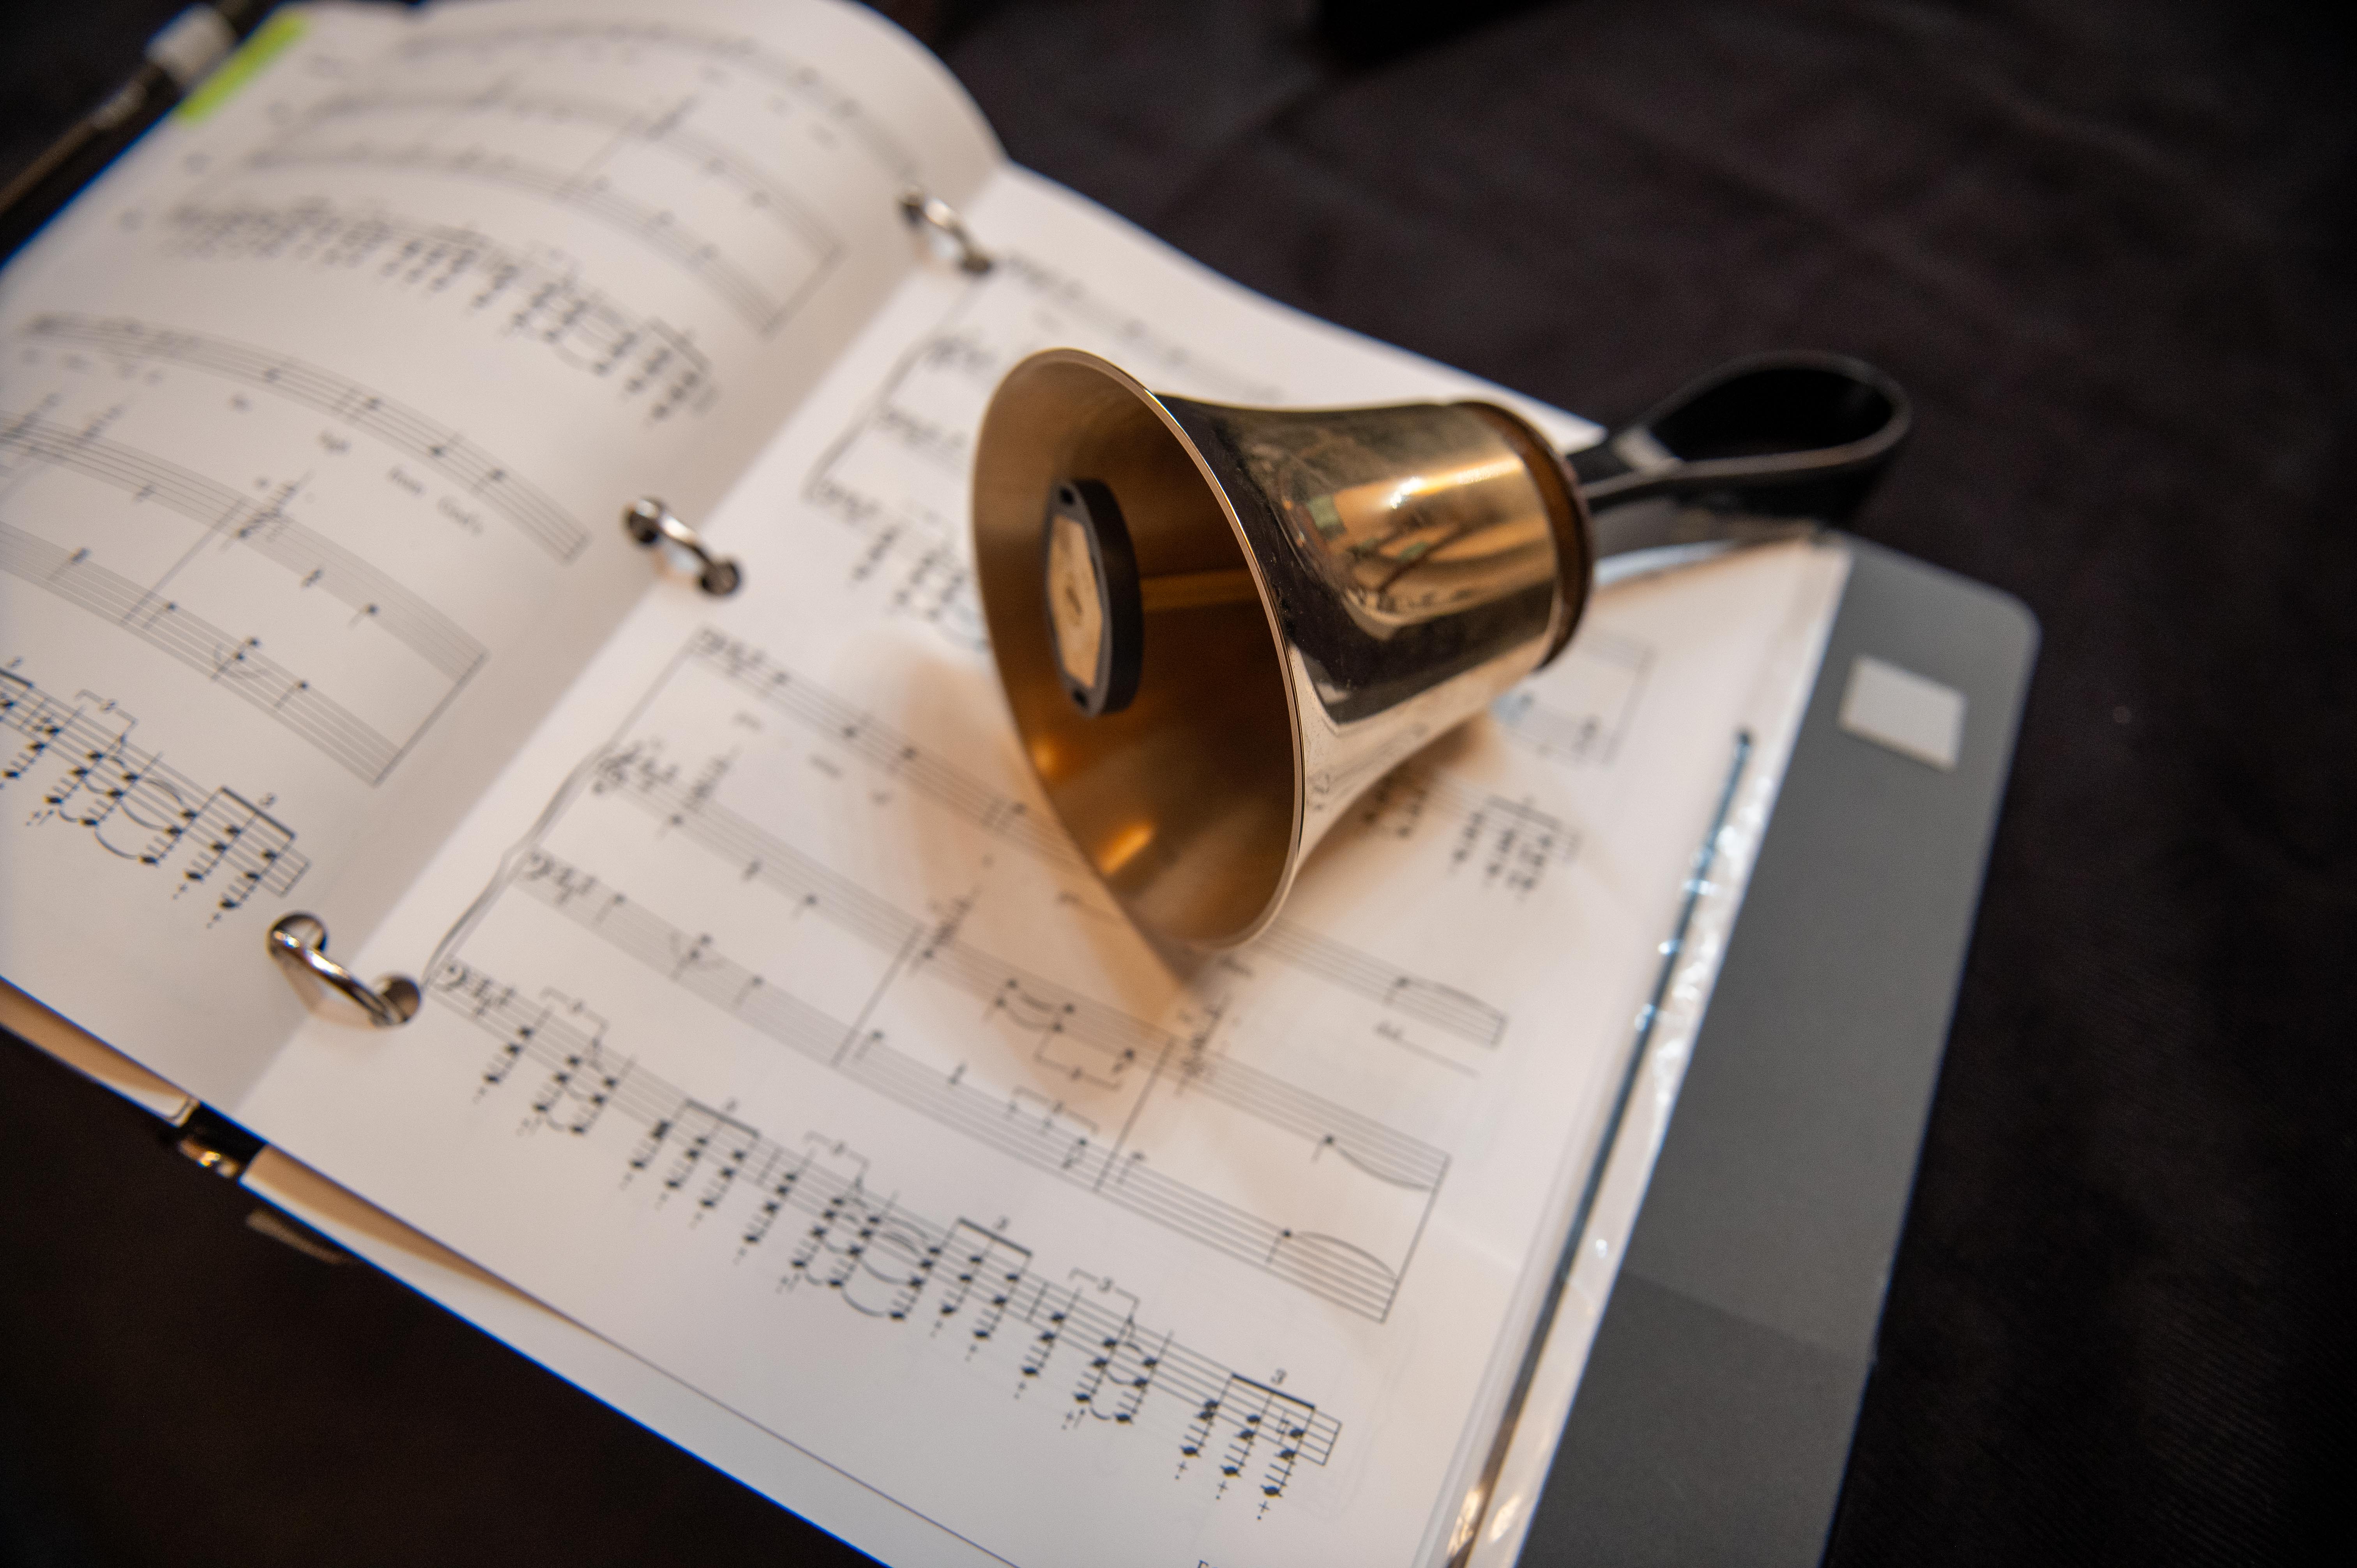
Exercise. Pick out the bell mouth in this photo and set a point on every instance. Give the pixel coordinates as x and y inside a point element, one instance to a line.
<point>1188,800</point>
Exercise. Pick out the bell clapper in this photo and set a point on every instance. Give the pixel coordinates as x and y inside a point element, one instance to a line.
<point>1096,618</point>
<point>1195,590</point>
<point>1097,603</point>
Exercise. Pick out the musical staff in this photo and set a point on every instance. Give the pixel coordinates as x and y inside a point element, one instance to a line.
<point>230,583</point>
<point>699,162</point>
<point>887,1262</point>
<point>1121,1366</point>
<point>136,807</point>
<point>1245,1413</point>
<point>315,561</point>
<point>576,1094</point>
<point>1442,1006</point>
<point>881,746</point>
<point>1513,844</point>
<point>897,474</point>
<point>1045,1134</point>
<point>646,778</point>
<point>1578,711</point>
<point>234,663</point>
<point>522,295</point>
<point>474,471</point>
<point>1529,840</point>
<point>795,83</point>
<point>651,225</point>
<point>668,134</point>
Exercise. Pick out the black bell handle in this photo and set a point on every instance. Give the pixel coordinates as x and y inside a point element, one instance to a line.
<point>1797,434</point>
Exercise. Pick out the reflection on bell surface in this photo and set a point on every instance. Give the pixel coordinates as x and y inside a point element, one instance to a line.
<point>1216,626</point>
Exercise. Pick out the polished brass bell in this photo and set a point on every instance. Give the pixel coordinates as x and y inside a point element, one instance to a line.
<point>1216,626</point>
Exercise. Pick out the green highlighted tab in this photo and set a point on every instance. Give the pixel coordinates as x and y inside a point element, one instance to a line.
<point>268,42</point>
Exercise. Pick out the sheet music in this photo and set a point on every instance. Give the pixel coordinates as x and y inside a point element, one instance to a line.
<point>316,422</point>
<point>774,1033</point>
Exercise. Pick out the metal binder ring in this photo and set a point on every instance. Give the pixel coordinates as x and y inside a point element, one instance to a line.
<point>651,525</point>
<point>300,943</point>
<point>934,214</point>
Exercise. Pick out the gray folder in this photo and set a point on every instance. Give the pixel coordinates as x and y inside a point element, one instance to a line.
<point>1713,1421</point>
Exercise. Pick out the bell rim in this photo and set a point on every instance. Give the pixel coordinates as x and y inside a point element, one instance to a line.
<point>1289,869</point>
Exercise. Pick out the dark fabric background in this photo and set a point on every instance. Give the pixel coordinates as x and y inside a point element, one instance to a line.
<point>2107,245</point>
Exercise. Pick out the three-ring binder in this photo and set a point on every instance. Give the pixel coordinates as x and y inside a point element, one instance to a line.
<point>299,941</point>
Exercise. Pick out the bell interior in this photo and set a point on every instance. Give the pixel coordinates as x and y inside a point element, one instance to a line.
<point>1187,802</point>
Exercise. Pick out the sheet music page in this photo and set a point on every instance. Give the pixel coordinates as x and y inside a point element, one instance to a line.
<point>316,420</point>
<point>775,1032</point>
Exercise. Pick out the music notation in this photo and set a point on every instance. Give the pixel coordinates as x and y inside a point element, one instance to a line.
<point>898,473</point>
<point>1026,1001</point>
<point>1442,1006</point>
<point>474,470</point>
<point>669,134</point>
<point>264,528</point>
<point>711,158</point>
<point>235,663</point>
<point>974,1288</point>
<point>1578,711</point>
<point>1098,1058</point>
<point>135,806</point>
<point>525,295</point>
<point>646,222</point>
<point>1513,844</point>
<point>798,93</point>
<point>159,611</point>
<point>1527,840</point>
<point>879,745</point>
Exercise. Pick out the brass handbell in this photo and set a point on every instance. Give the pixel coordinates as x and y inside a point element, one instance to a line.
<point>1216,626</point>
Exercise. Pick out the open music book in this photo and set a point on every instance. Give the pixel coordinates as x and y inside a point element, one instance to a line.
<point>772,1030</point>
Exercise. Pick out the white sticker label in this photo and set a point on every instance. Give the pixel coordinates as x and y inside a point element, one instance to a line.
<point>1901,710</point>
